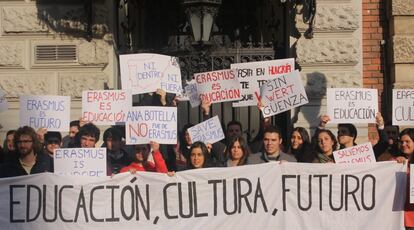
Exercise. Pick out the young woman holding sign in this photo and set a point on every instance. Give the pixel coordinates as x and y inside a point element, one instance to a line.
<point>237,152</point>
<point>141,162</point>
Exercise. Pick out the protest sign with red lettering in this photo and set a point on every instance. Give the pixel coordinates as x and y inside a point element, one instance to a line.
<point>147,72</point>
<point>209,131</point>
<point>105,107</point>
<point>218,86</point>
<point>403,106</point>
<point>50,112</point>
<point>352,105</point>
<point>362,153</point>
<point>282,93</point>
<point>151,123</point>
<point>252,75</point>
<point>90,162</point>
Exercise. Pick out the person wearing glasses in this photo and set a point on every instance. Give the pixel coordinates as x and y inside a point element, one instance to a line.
<point>29,158</point>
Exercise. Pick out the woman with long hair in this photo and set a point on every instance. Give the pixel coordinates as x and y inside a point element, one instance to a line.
<point>237,152</point>
<point>299,144</point>
<point>199,156</point>
<point>324,147</point>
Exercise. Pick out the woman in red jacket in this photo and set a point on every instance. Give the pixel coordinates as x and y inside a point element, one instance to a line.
<point>141,162</point>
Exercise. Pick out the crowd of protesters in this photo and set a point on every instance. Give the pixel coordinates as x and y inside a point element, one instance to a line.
<point>27,151</point>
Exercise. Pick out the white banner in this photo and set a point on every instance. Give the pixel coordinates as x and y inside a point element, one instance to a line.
<point>209,131</point>
<point>352,105</point>
<point>4,105</point>
<point>411,190</point>
<point>362,153</point>
<point>89,162</point>
<point>403,106</point>
<point>105,107</point>
<point>282,93</point>
<point>218,86</point>
<point>50,112</point>
<point>252,75</point>
<point>147,72</point>
<point>151,123</point>
<point>268,196</point>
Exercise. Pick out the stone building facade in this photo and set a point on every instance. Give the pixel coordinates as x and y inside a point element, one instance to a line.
<point>52,48</point>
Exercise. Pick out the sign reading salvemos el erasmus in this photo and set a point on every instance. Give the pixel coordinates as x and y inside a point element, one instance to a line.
<point>268,196</point>
<point>352,105</point>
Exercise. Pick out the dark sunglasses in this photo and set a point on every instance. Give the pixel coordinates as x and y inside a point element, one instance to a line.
<point>50,142</point>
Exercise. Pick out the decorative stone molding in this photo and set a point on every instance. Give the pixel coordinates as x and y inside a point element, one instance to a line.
<point>403,49</point>
<point>327,51</point>
<point>402,7</point>
<point>93,53</point>
<point>332,18</point>
<point>19,84</point>
<point>316,83</point>
<point>72,84</point>
<point>51,18</point>
<point>11,54</point>
<point>404,85</point>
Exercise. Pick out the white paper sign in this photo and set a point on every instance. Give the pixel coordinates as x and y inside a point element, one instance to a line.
<point>190,91</point>
<point>209,131</point>
<point>90,162</point>
<point>218,86</point>
<point>105,107</point>
<point>282,93</point>
<point>352,105</point>
<point>151,123</point>
<point>362,153</point>
<point>287,196</point>
<point>403,106</point>
<point>252,75</point>
<point>50,112</point>
<point>146,72</point>
<point>4,106</point>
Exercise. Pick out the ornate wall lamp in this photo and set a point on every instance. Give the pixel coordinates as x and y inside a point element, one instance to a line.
<point>201,15</point>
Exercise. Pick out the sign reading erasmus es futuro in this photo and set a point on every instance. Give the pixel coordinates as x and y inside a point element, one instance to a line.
<point>272,196</point>
<point>46,111</point>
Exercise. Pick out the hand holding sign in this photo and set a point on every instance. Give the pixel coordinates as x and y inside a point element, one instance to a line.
<point>205,107</point>
<point>155,146</point>
<point>323,120</point>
